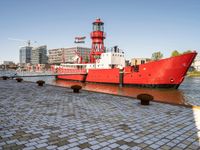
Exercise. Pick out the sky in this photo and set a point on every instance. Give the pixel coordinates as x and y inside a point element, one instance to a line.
<point>138,27</point>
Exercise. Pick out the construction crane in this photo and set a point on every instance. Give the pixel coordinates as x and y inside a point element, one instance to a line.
<point>28,42</point>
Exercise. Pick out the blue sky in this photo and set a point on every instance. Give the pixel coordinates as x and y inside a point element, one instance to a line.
<point>139,27</point>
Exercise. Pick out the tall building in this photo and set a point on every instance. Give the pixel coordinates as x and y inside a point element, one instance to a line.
<point>68,55</point>
<point>25,55</point>
<point>39,55</point>
<point>56,56</point>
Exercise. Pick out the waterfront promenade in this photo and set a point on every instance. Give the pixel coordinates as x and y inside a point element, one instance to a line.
<point>52,117</point>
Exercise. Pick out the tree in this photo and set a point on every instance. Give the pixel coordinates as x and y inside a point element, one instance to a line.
<point>86,59</point>
<point>188,51</point>
<point>175,53</point>
<point>157,56</point>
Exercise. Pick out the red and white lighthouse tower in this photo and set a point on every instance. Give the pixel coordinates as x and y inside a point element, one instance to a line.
<point>97,36</point>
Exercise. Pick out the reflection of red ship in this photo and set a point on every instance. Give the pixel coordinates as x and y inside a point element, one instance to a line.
<point>167,95</point>
<point>109,67</point>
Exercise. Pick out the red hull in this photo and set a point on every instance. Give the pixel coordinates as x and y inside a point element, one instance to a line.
<point>103,75</point>
<point>72,77</point>
<point>80,76</point>
<point>165,73</point>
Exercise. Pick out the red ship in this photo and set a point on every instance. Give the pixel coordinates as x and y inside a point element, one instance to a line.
<point>109,67</point>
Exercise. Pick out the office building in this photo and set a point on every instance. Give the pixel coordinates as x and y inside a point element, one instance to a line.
<point>68,55</point>
<point>39,55</point>
<point>25,55</point>
<point>56,56</point>
<point>71,54</point>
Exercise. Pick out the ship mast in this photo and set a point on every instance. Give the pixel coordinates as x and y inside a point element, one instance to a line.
<point>97,36</point>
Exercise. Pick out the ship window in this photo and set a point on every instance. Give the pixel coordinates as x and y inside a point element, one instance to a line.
<point>142,62</point>
<point>136,68</point>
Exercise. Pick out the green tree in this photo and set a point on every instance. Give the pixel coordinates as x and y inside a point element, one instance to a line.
<point>157,56</point>
<point>188,51</point>
<point>175,53</point>
<point>86,59</point>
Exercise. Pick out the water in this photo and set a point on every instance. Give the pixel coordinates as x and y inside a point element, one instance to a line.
<point>187,94</point>
<point>190,90</point>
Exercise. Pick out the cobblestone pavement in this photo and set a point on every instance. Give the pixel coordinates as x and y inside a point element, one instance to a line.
<point>50,117</point>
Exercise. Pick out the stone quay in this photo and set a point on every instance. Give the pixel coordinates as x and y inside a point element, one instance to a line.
<point>50,117</point>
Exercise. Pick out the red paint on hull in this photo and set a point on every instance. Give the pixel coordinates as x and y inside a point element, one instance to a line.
<point>103,75</point>
<point>163,72</point>
<point>76,77</point>
<point>72,77</point>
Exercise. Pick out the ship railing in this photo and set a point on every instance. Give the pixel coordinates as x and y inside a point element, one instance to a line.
<point>62,70</point>
<point>114,50</point>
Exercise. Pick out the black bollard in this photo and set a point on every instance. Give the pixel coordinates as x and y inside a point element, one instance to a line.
<point>145,98</point>
<point>76,88</point>
<point>40,82</point>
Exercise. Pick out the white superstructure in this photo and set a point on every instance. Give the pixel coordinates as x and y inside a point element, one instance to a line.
<point>111,60</point>
<point>107,60</point>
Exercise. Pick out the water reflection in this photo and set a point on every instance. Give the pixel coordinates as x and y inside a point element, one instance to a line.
<point>187,94</point>
<point>161,95</point>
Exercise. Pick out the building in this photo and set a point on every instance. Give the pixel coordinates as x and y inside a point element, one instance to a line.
<point>39,55</point>
<point>56,56</point>
<point>196,63</point>
<point>25,55</point>
<point>69,55</point>
<point>8,63</point>
<point>138,61</point>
